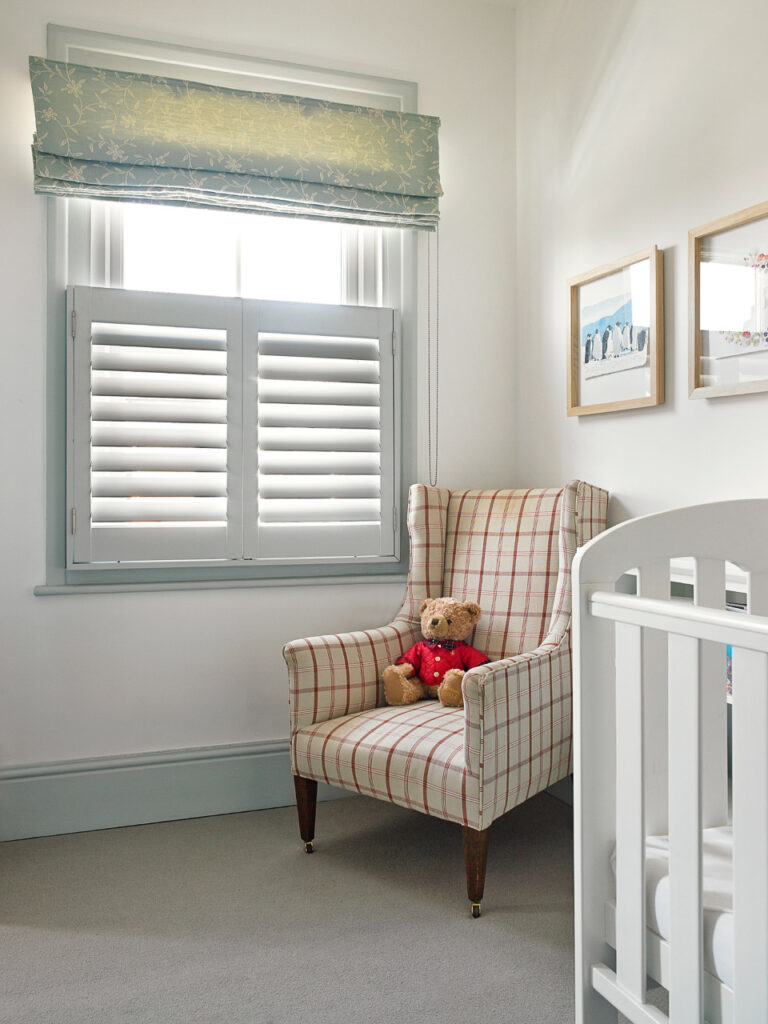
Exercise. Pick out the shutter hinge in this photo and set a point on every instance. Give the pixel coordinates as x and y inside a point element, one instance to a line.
<point>74,520</point>
<point>74,323</point>
<point>394,342</point>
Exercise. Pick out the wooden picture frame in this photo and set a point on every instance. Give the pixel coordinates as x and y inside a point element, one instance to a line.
<point>616,335</point>
<point>728,305</point>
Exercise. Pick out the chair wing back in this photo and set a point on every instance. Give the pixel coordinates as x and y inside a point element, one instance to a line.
<point>509,550</point>
<point>427,520</point>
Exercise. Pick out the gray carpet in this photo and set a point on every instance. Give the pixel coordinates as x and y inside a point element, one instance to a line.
<point>228,920</point>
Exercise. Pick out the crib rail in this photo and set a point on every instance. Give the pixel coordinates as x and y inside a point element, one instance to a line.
<point>694,703</point>
<point>725,627</point>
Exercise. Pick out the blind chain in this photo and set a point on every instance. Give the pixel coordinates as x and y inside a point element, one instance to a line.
<point>433,429</point>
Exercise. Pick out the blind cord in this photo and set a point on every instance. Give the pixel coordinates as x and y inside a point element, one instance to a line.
<point>433,428</point>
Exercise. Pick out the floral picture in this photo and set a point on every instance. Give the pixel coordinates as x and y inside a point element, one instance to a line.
<point>734,302</point>
<point>729,272</point>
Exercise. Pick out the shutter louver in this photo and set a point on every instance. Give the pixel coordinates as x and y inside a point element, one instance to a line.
<point>181,410</point>
<point>323,408</point>
<point>159,485</point>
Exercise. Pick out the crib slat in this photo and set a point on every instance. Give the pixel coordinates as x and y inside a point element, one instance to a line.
<point>685,869</point>
<point>630,816</point>
<point>653,582</point>
<point>757,593</point>
<point>606,983</point>
<point>750,832</point>
<point>709,592</point>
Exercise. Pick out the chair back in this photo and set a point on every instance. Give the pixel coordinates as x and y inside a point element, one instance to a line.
<point>502,550</point>
<point>509,550</point>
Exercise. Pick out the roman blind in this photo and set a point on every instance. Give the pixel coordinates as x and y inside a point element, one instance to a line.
<point>118,135</point>
<point>216,429</point>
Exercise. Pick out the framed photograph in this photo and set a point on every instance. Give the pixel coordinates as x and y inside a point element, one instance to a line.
<point>616,347</point>
<point>728,270</point>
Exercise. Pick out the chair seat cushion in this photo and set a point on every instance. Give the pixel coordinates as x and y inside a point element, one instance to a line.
<point>412,756</point>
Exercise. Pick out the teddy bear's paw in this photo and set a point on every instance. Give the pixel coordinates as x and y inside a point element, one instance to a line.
<point>449,691</point>
<point>398,690</point>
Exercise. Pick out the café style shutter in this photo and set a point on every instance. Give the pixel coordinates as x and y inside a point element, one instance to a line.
<point>319,431</point>
<point>156,438</point>
<point>213,429</point>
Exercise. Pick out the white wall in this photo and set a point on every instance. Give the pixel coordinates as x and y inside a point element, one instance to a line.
<point>88,676</point>
<point>636,120</point>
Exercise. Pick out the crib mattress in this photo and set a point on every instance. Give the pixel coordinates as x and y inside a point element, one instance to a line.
<point>717,863</point>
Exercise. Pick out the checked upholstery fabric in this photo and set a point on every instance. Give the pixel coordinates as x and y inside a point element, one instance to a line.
<point>511,551</point>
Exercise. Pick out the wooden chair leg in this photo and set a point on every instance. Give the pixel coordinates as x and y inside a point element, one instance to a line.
<point>475,860</point>
<point>306,804</point>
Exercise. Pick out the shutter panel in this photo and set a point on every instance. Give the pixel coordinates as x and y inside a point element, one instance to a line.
<point>319,431</point>
<point>156,425</point>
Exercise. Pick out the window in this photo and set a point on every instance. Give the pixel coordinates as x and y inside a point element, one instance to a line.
<point>234,380</point>
<point>240,430</point>
<point>206,251</point>
<point>150,247</point>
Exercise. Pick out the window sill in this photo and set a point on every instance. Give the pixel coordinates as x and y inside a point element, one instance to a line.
<point>58,590</point>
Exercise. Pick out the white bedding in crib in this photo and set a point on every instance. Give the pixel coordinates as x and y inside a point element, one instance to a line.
<point>717,851</point>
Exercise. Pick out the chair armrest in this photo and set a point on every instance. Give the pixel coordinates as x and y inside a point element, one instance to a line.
<point>336,675</point>
<point>517,729</point>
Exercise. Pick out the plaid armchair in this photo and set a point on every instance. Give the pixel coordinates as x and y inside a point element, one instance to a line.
<point>511,551</point>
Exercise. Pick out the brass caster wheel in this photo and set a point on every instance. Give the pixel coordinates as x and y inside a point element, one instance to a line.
<point>308,847</point>
<point>475,910</point>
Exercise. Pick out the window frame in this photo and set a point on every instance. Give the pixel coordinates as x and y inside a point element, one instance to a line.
<point>393,281</point>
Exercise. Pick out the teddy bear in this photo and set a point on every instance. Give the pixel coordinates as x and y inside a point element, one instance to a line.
<point>435,666</point>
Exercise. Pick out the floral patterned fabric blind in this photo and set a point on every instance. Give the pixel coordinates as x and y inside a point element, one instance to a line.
<point>105,134</point>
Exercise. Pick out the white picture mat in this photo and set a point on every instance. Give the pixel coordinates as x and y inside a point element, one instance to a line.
<point>733,306</point>
<point>622,375</point>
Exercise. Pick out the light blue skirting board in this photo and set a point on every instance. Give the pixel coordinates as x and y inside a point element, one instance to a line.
<point>108,792</point>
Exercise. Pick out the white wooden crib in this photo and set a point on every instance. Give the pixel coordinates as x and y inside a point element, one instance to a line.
<point>650,759</point>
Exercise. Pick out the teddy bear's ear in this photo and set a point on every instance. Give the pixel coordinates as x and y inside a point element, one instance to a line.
<point>422,606</point>
<point>473,609</point>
